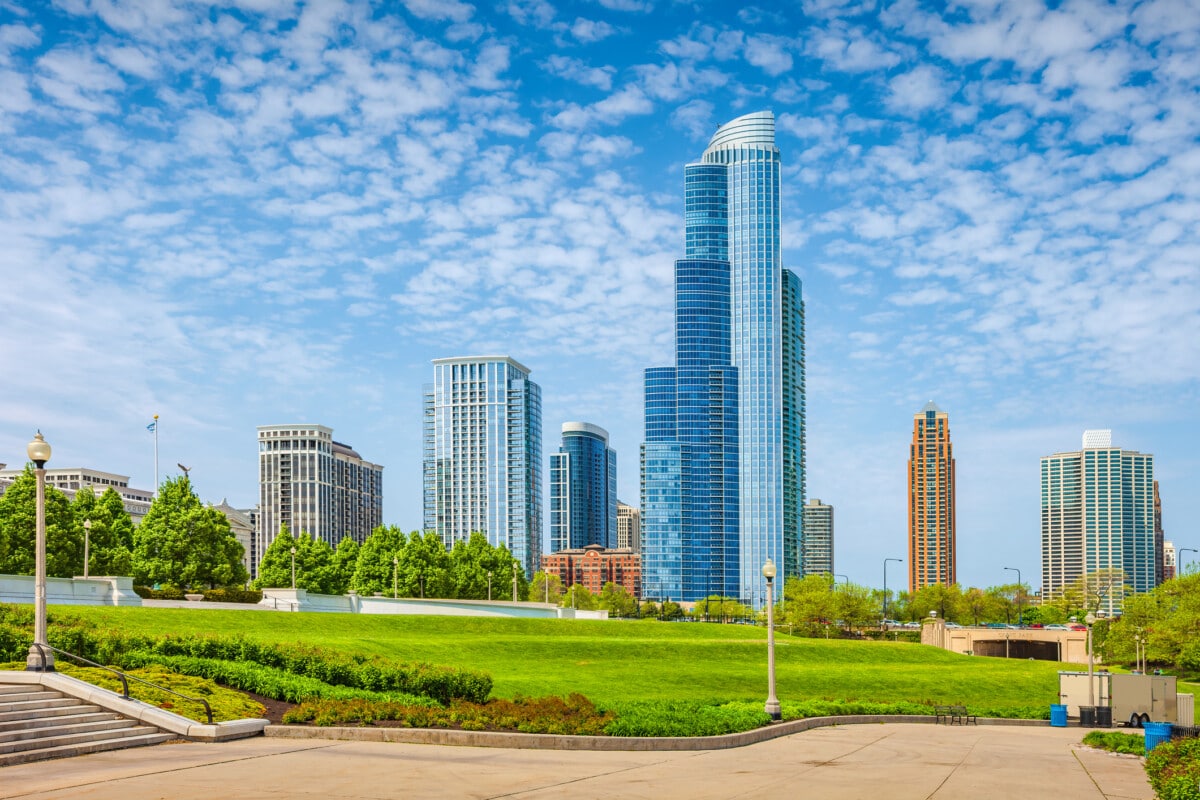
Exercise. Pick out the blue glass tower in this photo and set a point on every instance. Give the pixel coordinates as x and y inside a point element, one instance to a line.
<point>723,461</point>
<point>583,489</point>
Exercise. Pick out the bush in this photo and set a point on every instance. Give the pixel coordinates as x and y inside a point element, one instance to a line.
<point>685,718</point>
<point>162,593</point>
<point>232,595</point>
<point>1174,769</point>
<point>1116,742</point>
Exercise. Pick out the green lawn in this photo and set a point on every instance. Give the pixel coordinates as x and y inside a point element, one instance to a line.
<point>618,661</point>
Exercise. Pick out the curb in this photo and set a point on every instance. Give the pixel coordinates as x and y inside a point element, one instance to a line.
<point>545,741</point>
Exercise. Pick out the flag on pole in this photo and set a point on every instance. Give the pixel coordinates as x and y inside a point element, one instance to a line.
<point>153,426</point>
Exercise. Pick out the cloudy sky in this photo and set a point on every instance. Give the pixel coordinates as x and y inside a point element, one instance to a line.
<point>269,212</point>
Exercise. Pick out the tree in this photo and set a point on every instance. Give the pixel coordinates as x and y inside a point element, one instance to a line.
<point>617,600</point>
<point>809,604</point>
<point>545,588</point>
<point>110,542</point>
<point>183,543</point>
<point>946,600</point>
<point>671,610</point>
<point>856,606</point>
<point>373,572</point>
<point>18,530</point>
<point>579,597</point>
<point>424,566</point>
<point>314,564</point>
<point>341,566</point>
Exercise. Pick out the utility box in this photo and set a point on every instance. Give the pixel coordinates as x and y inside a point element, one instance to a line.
<point>1186,710</point>
<point>1134,699</point>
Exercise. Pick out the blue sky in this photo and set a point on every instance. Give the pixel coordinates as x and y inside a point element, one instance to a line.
<point>267,212</point>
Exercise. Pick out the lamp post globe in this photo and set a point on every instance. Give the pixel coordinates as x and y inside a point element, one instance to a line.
<point>40,658</point>
<point>87,535</point>
<point>772,705</point>
<point>293,567</point>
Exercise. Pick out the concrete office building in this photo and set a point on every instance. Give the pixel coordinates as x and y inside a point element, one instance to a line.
<point>931,528</point>
<point>583,489</point>
<point>722,466</point>
<point>483,454</point>
<point>629,528</point>
<point>1098,520</point>
<point>314,485</point>
<point>70,480</point>
<point>817,552</point>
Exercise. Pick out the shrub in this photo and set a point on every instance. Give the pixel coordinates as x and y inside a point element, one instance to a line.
<point>232,595</point>
<point>1116,742</point>
<point>1174,770</point>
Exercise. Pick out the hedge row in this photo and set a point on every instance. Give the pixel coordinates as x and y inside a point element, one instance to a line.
<point>1174,769</point>
<point>230,595</point>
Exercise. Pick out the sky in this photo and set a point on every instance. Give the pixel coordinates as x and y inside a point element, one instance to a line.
<point>262,212</point>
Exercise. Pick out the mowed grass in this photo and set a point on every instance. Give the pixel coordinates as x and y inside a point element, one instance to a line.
<point>619,661</point>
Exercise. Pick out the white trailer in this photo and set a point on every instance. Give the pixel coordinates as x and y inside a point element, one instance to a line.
<point>1134,699</point>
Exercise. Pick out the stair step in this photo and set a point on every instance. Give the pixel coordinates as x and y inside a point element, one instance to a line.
<point>129,730</point>
<point>63,751</point>
<point>27,696</point>
<point>70,725</point>
<point>47,708</point>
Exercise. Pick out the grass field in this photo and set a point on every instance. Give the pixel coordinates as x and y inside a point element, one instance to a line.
<point>617,661</point>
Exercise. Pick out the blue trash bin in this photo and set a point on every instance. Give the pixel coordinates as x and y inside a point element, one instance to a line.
<point>1156,734</point>
<point>1058,715</point>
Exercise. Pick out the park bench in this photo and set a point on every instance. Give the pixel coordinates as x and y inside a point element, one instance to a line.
<point>954,715</point>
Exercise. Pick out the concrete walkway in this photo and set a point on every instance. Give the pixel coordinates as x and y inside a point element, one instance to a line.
<point>873,762</point>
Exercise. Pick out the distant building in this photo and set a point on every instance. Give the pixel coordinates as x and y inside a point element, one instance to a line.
<point>932,553</point>
<point>1170,560</point>
<point>593,566</point>
<point>629,528</point>
<point>1159,536</point>
<point>1098,517</point>
<point>583,489</point>
<point>314,485</point>
<point>242,527</point>
<point>483,454</point>
<point>817,552</point>
<point>70,480</point>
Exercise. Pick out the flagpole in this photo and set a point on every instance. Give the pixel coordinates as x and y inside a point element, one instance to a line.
<point>156,456</point>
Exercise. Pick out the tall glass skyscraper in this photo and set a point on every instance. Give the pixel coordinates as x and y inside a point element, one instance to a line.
<point>483,454</point>
<point>1098,521</point>
<point>583,489</point>
<point>723,462</point>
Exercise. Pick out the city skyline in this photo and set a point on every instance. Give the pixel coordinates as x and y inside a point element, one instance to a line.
<point>234,216</point>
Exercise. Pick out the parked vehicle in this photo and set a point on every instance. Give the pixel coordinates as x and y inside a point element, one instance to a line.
<point>1134,699</point>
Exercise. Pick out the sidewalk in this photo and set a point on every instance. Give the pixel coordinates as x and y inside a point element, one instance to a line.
<point>872,762</point>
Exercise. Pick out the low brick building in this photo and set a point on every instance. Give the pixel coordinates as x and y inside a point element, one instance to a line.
<point>593,566</point>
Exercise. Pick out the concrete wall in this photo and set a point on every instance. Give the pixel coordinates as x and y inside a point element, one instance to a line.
<point>71,591</point>
<point>302,600</point>
<point>1019,643</point>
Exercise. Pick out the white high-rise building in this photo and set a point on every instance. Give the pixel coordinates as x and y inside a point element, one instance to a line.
<point>483,454</point>
<point>314,485</point>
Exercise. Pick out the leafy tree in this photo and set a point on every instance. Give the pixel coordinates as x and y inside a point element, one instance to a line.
<point>809,604</point>
<point>110,541</point>
<point>978,604</point>
<point>946,600</point>
<point>578,596</point>
<point>650,610</point>
<point>183,543</point>
<point>617,600</point>
<point>473,559</point>
<point>856,606</point>
<point>545,588</point>
<point>373,572</point>
<point>716,608</point>
<point>314,564</point>
<point>424,566</point>
<point>671,610</point>
<point>341,566</point>
<point>18,530</point>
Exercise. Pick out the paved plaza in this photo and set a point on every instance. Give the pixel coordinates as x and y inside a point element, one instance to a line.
<point>873,762</point>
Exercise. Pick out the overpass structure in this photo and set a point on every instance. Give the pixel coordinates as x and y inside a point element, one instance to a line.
<point>1039,643</point>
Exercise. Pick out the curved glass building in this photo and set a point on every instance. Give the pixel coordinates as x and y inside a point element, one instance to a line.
<point>723,463</point>
<point>583,489</point>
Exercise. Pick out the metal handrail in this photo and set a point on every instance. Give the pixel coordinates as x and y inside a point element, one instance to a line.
<point>123,677</point>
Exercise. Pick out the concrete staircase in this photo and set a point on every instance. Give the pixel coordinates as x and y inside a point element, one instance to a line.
<point>38,723</point>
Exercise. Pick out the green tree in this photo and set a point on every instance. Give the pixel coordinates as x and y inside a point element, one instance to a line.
<point>314,564</point>
<point>545,588</point>
<point>946,600</point>
<point>424,566</point>
<point>617,600</point>
<point>183,543</point>
<point>579,597</point>
<point>110,541</point>
<point>373,572</point>
<point>341,566</point>
<point>18,530</point>
<point>856,606</point>
<point>809,604</point>
<point>670,610</point>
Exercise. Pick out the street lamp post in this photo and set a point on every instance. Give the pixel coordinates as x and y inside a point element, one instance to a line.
<point>516,566</point>
<point>293,567</point>
<point>1020,588</point>
<point>40,658</point>
<point>87,535</point>
<point>395,577</point>
<point>1090,619</point>
<point>845,580</point>
<point>489,586</point>
<point>885,592</point>
<point>772,706</point>
<point>1179,557</point>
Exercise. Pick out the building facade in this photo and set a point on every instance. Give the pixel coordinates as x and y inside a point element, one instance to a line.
<point>1159,539</point>
<point>243,529</point>
<point>1169,560</point>
<point>931,531</point>
<point>70,480</point>
<point>593,566</point>
<point>583,489</point>
<point>629,527</point>
<point>722,466</point>
<point>1098,521</point>
<point>314,485</point>
<point>817,555</point>
<point>483,454</point>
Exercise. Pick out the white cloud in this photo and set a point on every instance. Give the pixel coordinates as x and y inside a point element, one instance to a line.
<point>575,70</point>
<point>587,30</point>
<point>919,90</point>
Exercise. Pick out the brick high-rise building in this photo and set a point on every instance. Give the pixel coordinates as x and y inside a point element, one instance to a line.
<point>931,543</point>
